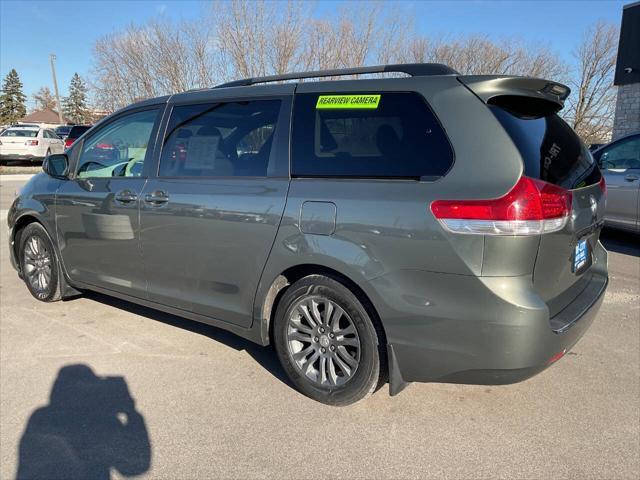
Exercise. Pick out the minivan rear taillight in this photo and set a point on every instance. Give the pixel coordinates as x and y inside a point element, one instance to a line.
<point>68,142</point>
<point>531,207</point>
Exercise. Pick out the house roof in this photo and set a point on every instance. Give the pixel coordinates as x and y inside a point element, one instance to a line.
<point>46,115</point>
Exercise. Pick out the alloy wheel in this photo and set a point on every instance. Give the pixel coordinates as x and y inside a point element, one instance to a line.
<point>322,341</point>
<point>37,265</point>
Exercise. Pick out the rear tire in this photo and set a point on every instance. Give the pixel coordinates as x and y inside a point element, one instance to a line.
<point>326,341</point>
<point>39,264</point>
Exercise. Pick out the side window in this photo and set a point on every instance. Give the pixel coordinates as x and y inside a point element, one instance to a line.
<point>119,148</point>
<point>386,135</point>
<point>623,155</point>
<point>220,140</point>
<point>45,134</point>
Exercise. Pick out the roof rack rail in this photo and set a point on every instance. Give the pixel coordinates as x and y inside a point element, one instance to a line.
<point>413,69</point>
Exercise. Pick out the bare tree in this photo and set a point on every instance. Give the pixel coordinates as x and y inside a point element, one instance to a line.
<point>243,38</point>
<point>44,99</point>
<point>155,59</point>
<point>479,55</point>
<point>592,103</point>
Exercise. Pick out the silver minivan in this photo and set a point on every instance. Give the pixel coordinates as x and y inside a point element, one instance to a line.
<point>431,228</point>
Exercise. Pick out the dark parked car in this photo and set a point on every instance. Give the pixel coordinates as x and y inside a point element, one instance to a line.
<point>76,132</point>
<point>620,165</point>
<point>63,131</point>
<point>433,228</point>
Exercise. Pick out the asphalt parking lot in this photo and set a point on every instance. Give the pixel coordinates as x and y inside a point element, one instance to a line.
<point>208,404</point>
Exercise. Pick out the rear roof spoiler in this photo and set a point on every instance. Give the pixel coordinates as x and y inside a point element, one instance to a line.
<point>487,87</point>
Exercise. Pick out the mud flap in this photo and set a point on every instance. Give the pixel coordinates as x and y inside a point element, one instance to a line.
<point>396,382</point>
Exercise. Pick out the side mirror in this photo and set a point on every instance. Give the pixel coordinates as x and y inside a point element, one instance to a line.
<point>56,165</point>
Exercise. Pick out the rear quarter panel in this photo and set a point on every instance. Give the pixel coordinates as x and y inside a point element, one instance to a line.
<point>386,226</point>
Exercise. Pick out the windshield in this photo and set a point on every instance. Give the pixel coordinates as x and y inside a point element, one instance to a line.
<point>20,133</point>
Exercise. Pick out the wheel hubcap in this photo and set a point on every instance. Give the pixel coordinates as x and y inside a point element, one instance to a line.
<point>37,264</point>
<point>323,341</point>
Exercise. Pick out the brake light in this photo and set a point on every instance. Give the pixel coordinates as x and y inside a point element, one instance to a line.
<point>31,143</point>
<point>68,142</point>
<point>531,207</point>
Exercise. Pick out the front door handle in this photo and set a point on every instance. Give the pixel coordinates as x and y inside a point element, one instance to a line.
<point>631,178</point>
<point>156,198</point>
<point>126,196</point>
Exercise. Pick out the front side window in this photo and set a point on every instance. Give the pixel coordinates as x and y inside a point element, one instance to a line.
<point>119,148</point>
<point>220,140</point>
<point>386,135</point>
<point>622,155</point>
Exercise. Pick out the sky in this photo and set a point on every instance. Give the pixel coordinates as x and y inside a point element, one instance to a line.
<point>32,29</point>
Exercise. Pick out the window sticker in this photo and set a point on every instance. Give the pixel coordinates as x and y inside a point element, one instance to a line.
<point>203,152</point>
<point>369,102</point>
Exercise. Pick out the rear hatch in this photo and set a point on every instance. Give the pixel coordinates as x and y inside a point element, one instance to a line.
<point>552,152</point>
<point>14,141</point>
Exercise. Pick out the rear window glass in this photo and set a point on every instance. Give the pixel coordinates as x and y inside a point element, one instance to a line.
<point>75,132</point>
<point>20,133</point>
<point>393,136</point>
<point>551,150</point>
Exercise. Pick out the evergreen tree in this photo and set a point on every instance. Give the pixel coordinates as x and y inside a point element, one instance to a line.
<point>75,105</point>
<point>44,99</point>
<point>12,100</point>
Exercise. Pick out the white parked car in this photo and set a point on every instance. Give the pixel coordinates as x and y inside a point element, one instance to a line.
<point>29,143</point>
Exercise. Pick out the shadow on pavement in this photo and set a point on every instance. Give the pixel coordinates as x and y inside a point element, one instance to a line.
<point>265,356</point>
<point>89,427</point>
<point>620,242</point>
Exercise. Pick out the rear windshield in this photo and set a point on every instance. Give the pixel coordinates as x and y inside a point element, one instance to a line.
<point>550,148</point>
<point>20,133</point>
<point>75,132</point>
<point>368,135</point>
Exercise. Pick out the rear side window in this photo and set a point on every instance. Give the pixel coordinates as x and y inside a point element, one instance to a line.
<point>386,135</point>
<point>75,132</point>
<point>551,150</point>
<point>220,140</point>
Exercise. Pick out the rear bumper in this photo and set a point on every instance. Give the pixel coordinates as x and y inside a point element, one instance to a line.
<point>20,156</point>
<point>482,330</point>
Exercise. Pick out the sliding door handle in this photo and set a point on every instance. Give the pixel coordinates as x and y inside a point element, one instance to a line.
<point>126,196</point>
<point>156,198</point>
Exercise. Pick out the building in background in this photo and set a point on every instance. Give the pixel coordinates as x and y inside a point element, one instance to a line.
<point>627,79</point>
<point>45,118</point>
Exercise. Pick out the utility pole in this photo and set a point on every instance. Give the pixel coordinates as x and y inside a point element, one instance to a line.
<point>52,58</point>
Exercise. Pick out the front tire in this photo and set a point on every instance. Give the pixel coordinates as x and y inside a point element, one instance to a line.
<point>38,264</point>
<point>326,341</point>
